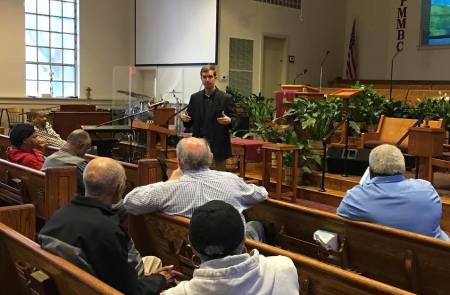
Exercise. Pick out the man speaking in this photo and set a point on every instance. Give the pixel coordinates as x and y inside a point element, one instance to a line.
<point>210,114</point>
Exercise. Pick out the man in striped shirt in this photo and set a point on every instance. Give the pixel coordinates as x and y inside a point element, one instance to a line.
<point>193,184</point>
<point>45,132</point>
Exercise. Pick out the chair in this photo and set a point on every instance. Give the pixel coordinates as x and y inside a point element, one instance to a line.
<point>441,162</point>
<point>14,116</point>
<point>390,130</point>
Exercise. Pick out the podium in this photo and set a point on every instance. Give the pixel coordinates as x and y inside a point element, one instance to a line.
<point>157,128</point>
<point>345,94</point>
<point>425,143</point>
<point>289,92</point>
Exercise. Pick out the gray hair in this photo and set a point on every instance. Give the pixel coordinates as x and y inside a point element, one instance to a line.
<point>78,136</point>
<point>386,159</point>
<point>239,250</point>
<point>34,114</point>
<point>193,153</point>
<point>101,177</point>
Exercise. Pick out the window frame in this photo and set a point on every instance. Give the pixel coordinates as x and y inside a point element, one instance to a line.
<point>69,86</point>
<point>425,29</point>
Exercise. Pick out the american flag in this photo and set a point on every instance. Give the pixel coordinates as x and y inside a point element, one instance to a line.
<point>350,70</point>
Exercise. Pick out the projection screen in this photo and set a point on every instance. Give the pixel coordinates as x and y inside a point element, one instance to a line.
<point>176,32</point>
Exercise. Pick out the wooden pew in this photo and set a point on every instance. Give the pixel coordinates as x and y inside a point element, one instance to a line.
<point>25,266</point>
<point>47,190</point>
<point>406,260</point>
<point>145,172</point>
<point>166,237</point>
<point>4,144</point>
<point>21,218</point>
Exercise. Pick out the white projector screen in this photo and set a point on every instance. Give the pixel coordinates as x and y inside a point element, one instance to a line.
<point>176,32</point>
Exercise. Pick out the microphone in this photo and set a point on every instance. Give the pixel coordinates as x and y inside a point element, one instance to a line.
<point>325,57</point>
<point>392,72</point>
<point>300,74</point>
<point>151,106</point>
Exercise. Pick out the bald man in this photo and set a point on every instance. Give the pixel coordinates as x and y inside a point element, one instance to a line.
<point>71,154</point>
<point>87,232</point>
<point>44,130</point>
<point>194,184</point>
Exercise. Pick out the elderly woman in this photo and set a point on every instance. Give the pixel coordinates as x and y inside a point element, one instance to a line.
<point>24,149</point>
<point>388,198</point>
<point>216,234</point>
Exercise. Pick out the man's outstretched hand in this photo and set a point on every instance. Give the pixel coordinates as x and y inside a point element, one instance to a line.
<point>224,120</point>
<point>185,117</point>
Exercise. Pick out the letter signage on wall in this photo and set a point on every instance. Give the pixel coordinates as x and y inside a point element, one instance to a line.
<point>401,25</point>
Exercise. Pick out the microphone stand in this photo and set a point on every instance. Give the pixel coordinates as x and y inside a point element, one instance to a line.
<point>324,145</point>
<point>321,69</point>
<point>392,71</point>
<point>167,122</point>
<point>417,124</point>
<point>131,117</point>
<point>299,75</point>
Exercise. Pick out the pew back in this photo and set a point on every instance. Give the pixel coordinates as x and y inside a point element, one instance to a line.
<point>166,237</point>
<point>145,172</point>
<point>21,218</point>
<point>47,190</point>
<point>24,266</point>
<point>406,260</point>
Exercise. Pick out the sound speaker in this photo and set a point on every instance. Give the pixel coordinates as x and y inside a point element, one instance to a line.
<point>357,160</point>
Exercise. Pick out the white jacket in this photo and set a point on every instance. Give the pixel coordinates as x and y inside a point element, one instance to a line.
<point>242,274</point>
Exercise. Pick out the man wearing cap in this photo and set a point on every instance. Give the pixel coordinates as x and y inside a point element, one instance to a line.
<point>24,149</point>
<point>216,234</point>
<point>193,184</point>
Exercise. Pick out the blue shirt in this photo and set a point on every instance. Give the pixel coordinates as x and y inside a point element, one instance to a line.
<point>408,204</point>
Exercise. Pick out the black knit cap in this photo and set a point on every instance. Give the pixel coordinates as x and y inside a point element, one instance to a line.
<point>216,229</point>
<point>19,133</point>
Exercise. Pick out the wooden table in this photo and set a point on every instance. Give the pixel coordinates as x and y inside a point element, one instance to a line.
<point>279,149</point>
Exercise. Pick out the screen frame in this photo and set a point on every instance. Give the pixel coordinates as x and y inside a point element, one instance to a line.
<point>215,62</point>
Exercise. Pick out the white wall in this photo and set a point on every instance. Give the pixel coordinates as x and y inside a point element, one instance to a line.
<point>12,50</point>
<point>377,39</point>
<point>320,29</point>
<point>106,41</point>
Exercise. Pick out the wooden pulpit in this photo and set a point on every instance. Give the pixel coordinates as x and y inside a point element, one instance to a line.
<point>425,143</point>
<point>158,127</point>
<point>289,92</point>
<point>345,94</point>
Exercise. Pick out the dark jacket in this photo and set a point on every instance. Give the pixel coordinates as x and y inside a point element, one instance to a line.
<point>87,233</point>
<point>204,124</point>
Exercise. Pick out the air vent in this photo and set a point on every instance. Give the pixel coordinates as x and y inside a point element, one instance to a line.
<point>297,4</point>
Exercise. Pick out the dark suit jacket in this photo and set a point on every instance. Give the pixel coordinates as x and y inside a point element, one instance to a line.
<point>217,135</point>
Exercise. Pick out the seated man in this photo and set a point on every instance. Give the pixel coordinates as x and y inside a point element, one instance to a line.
<point>193,184</point>
<point>87,232</point>
<point>24,149</point>
<point>45,131</point>
<point>72,153</point>
<point>216,234</point>
<point>390,199</point>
